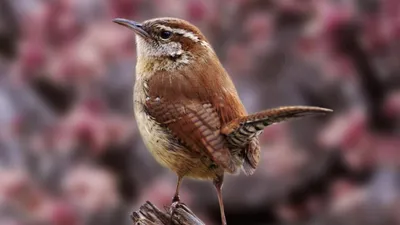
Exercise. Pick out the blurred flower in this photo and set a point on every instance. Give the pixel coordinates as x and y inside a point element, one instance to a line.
<point>392,105</point>
<point>125,8</point>
<point>91,189</point>
<point>258,27</point>
<point>13,184</point>
<point>196,10</point>
<point>281,158</point>
<point>344,130</point>
<point>345,196</point>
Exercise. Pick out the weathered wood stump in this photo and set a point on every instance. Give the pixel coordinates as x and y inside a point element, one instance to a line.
<point>148,214</point>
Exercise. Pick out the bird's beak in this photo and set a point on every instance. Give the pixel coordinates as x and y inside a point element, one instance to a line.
<point>135,26</point>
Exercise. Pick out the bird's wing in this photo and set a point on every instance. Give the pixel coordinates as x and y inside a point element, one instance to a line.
<point>242,130</point>
<point>194,109</point>
<point>195,125</point>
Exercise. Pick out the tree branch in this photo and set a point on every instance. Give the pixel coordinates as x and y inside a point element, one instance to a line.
<point>148,214</point>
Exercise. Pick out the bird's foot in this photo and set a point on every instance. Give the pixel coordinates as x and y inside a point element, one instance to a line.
<point>179,212</point>
<point>176,198</point>
<point>176,203</point>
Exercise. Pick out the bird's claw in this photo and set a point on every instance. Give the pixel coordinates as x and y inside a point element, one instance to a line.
<point>175,205</point>
<point>176,198</point>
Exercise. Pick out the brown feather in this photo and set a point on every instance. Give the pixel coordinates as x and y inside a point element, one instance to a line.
<point>242,130</point>
<point>193,111</point>
<point>195,125</point>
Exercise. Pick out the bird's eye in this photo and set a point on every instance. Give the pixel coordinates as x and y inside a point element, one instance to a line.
<point>165,34</point>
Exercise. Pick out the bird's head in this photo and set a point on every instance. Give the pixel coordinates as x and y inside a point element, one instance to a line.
<point>170,39</point>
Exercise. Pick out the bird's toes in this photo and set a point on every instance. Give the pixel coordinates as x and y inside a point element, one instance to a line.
<point>175,199</point>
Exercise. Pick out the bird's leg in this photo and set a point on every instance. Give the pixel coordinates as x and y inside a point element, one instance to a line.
<point>176,197</point>
<point>218,186</point>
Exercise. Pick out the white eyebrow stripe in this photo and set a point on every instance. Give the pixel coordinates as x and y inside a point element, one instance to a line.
<point>185,33</point>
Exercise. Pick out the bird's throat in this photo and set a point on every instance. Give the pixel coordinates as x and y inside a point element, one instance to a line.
<point>163,63</point>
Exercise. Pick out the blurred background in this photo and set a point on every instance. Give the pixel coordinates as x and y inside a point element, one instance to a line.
<point>70,152</point>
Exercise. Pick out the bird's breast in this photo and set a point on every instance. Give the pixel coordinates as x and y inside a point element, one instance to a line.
<point>155,137</point>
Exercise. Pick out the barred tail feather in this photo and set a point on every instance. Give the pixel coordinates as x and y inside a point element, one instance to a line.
<point>241,131</point>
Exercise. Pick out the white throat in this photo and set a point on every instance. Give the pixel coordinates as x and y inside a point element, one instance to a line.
<point>172,49</point>
<point>168,56</point>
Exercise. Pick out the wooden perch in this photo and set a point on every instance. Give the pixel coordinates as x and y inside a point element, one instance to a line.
<point>148,214</point>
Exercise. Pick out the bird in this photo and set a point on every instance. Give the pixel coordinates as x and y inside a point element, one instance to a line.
<point>188,110</point>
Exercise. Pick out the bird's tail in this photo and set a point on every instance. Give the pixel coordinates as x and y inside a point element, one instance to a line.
<point>241,131</point>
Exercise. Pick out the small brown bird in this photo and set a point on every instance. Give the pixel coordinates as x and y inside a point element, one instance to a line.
<point>187,108</point>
